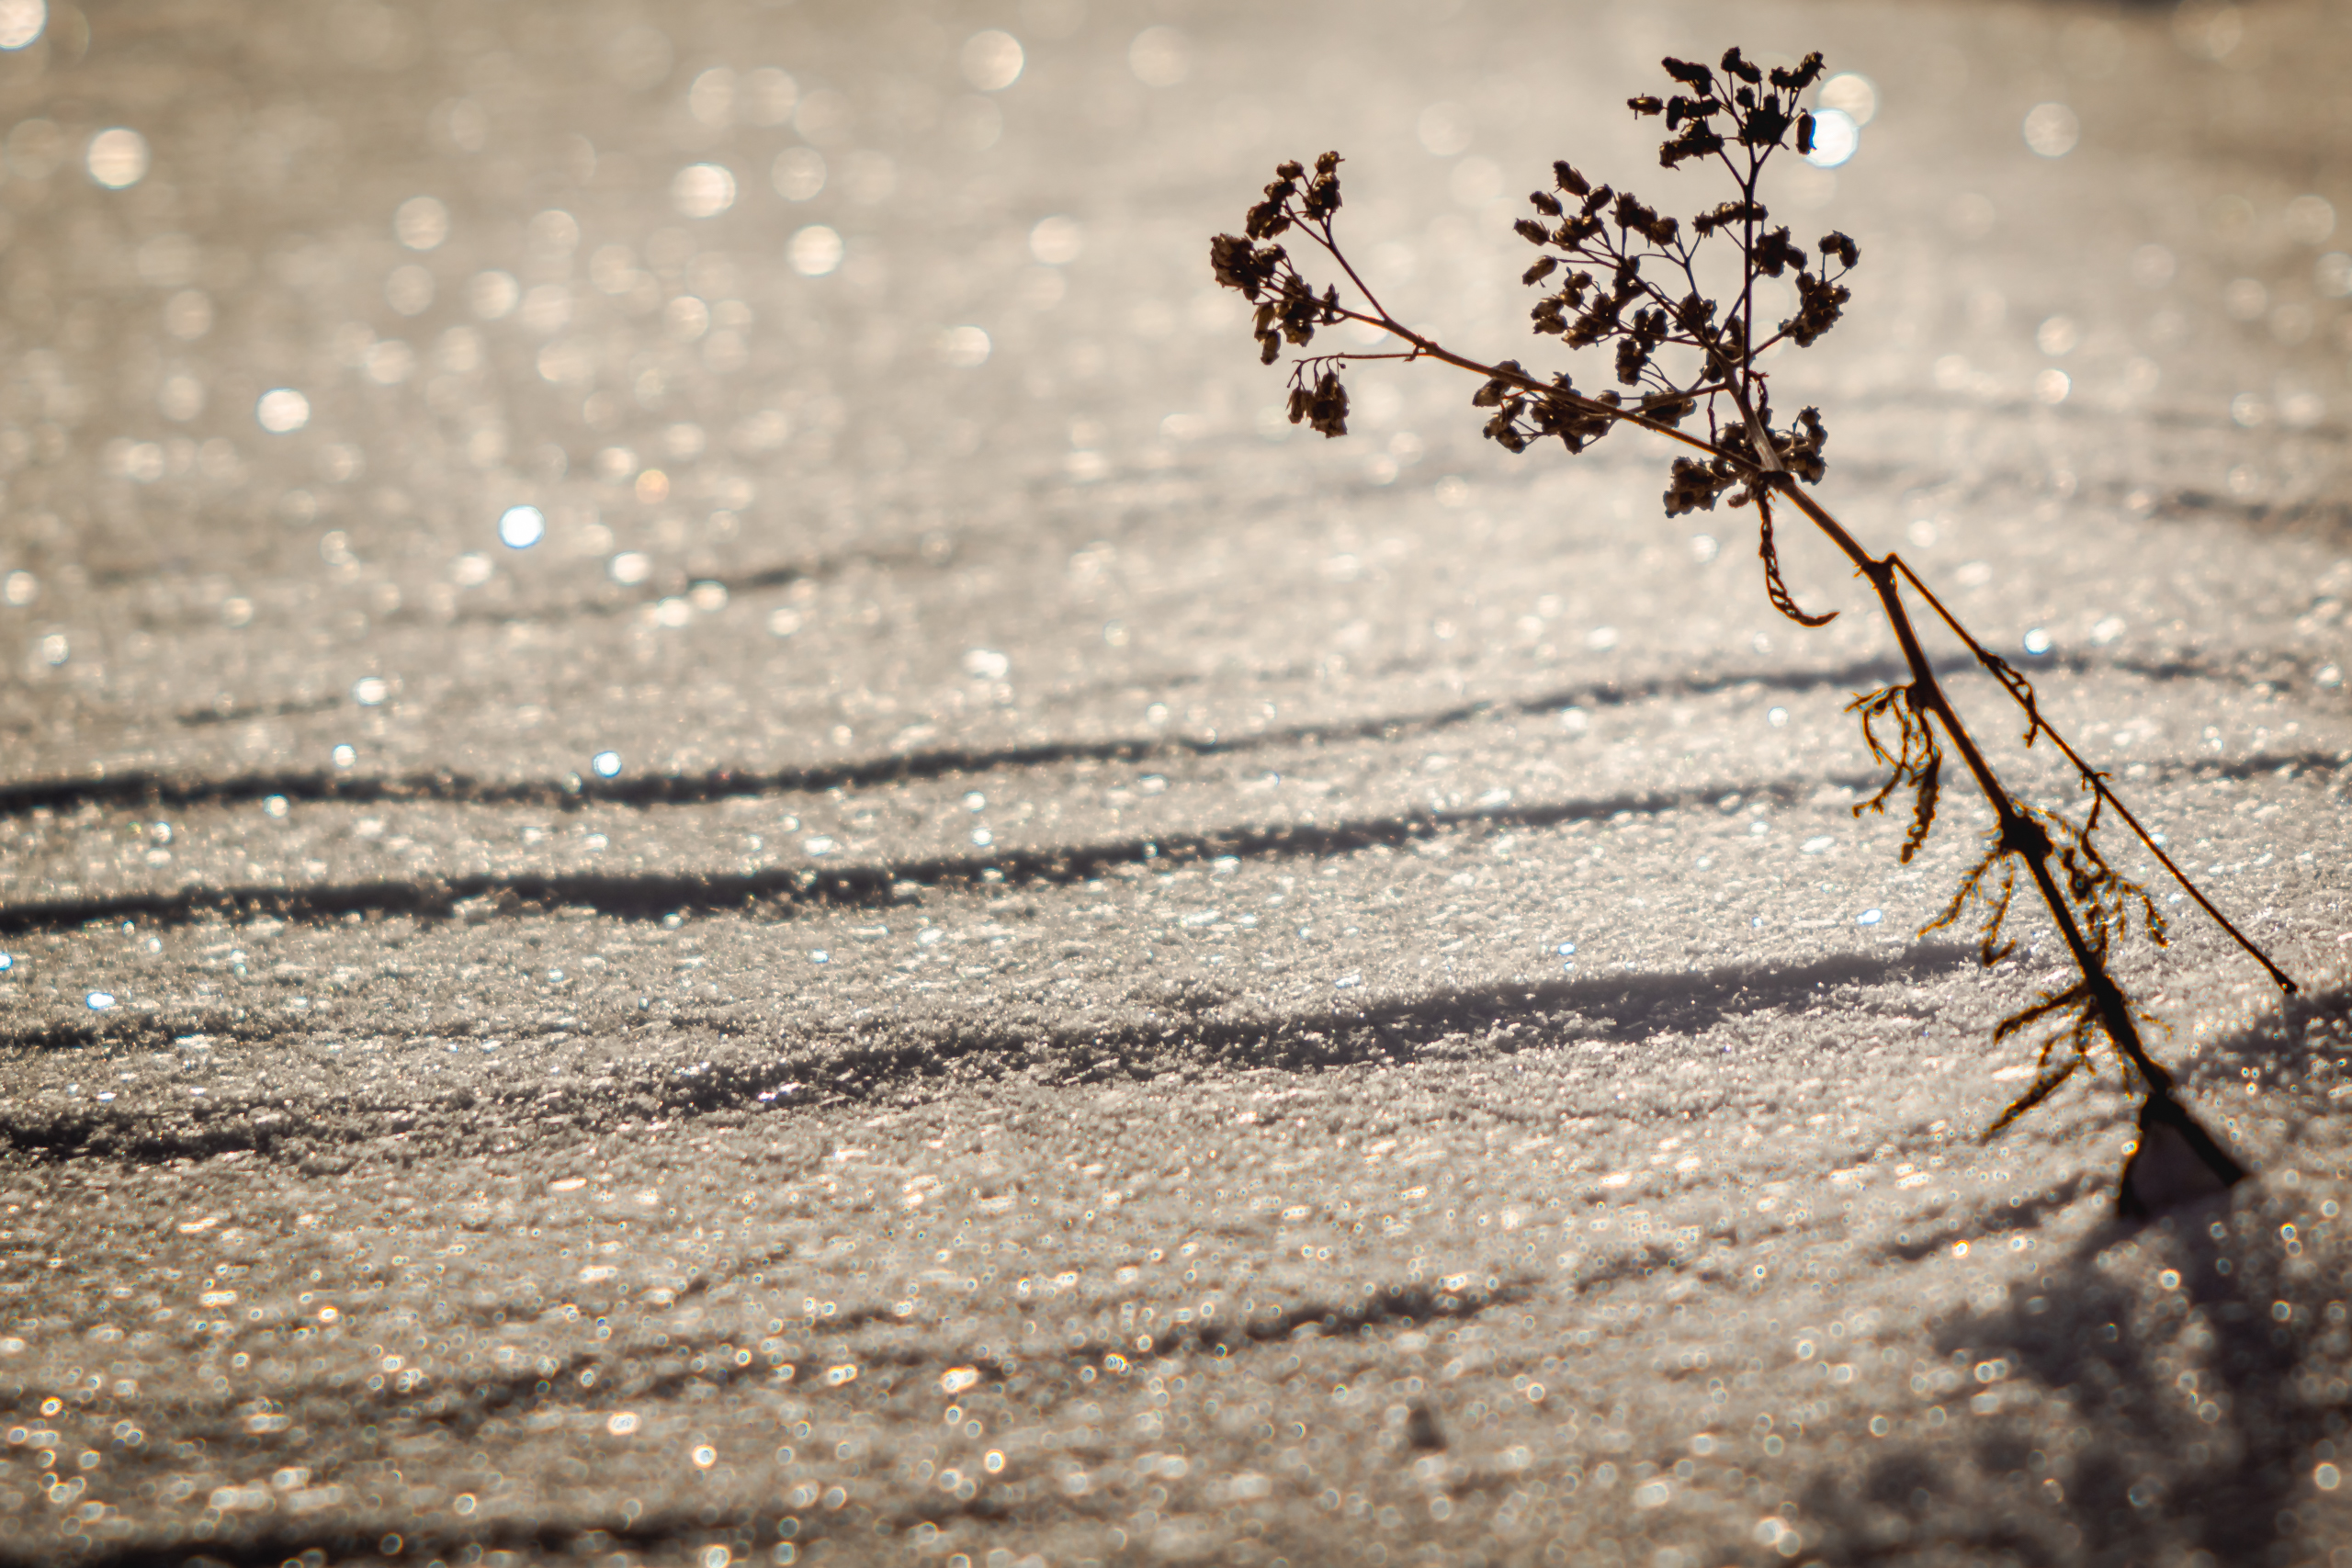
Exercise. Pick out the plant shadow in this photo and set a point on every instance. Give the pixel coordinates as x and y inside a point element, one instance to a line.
<point>2164,1392</point>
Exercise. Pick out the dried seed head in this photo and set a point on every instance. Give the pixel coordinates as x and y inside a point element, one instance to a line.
<point>1323,193</point>
<point>1807,72</point>
<point>1324,406</point>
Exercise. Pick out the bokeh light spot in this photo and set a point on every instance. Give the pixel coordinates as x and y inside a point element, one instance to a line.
<point>712,97</point>
<point>421,223</point>
<point>702,190</point>
<point>1159,57</point>
<point>2051,129</point>
<point>799,173</point>
<point>520,528</point>
<point>814,251</point>
<point>1852,95</point>
<point>2310,219</point>
<point>282,410</point>
<point>1057,240</point>
<point>21,22</point>
<point>992,59</point>
<point>118,158</point>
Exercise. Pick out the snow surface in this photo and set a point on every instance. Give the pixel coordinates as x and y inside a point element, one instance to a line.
<point>997,956</point>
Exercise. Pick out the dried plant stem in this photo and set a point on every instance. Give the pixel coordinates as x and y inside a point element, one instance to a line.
<point>2014,827</point>
<point>2095,780</point>
<point>1736,120</point>
<point>2015,831</point>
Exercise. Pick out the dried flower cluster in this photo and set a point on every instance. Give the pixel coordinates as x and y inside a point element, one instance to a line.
<point>1619,275</point>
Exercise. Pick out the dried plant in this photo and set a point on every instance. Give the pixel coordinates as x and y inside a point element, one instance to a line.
<point>1618,275</point>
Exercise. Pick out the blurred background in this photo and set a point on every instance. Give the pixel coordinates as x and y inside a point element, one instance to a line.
<point>857,375</point>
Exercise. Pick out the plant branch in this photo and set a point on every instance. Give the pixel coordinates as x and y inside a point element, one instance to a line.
<point>2093,779</point>
<point>1747,459</point>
